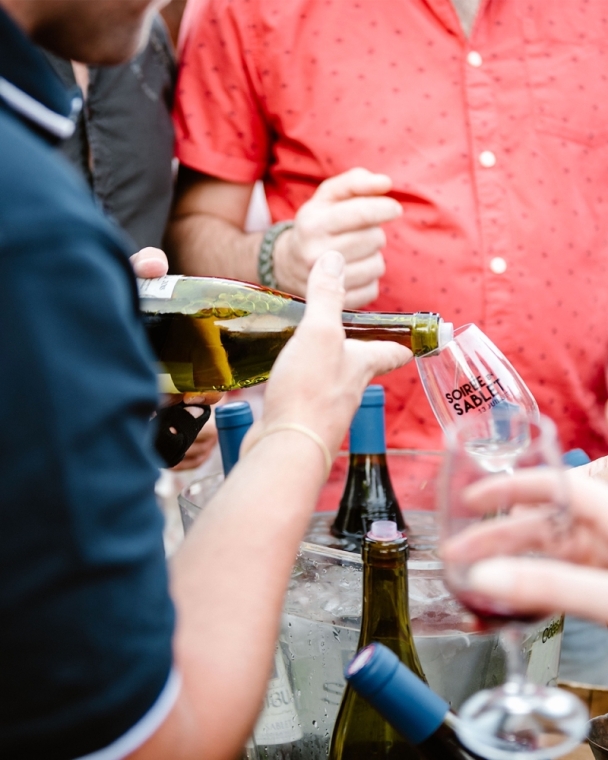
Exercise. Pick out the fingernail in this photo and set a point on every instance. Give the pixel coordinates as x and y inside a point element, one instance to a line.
<point>333,263</point>
<point>494,577</point>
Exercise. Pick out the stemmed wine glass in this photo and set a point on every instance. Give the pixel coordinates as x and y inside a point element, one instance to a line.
<point>470,377</point>
<point>518,718</point>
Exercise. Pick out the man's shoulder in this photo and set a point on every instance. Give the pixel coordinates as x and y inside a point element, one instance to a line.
<point>249,16</point>
<point>40,193</point>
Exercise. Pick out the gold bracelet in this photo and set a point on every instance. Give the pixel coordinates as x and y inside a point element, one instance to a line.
<point>299,429</point>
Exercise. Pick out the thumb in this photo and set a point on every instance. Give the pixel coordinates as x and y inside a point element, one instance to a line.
<point>325,290</point>
<point>149,262</point>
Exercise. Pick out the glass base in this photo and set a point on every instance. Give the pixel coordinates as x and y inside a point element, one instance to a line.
<point>524,720</point>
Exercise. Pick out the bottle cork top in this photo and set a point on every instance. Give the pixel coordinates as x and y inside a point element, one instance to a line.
<point>384,530</point>
<point>233,414</point>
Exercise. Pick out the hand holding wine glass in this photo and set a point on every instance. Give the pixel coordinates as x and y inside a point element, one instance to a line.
<point>575,577</point>
<point>520,718</point>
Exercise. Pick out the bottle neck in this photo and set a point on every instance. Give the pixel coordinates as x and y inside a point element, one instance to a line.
<point>230,440</point>
<point>232,420</point>
<point>385,592</point>
<point>419,331</point>
<point>366,435</point>
<point>367,463</point>
<point>368,495</point>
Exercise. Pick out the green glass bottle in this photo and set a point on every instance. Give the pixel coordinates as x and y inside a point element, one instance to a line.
<point>217,334</point>
<point>361,733</point>
<point>415,711</point>
<point>368,494</point>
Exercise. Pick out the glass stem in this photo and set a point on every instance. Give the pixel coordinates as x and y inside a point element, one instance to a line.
<point>512,639</point>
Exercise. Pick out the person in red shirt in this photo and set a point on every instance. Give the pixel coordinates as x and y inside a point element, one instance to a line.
<point>484,137</point>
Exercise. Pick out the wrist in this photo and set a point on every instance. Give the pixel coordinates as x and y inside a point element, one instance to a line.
<point>297,431</point>
<point>273,237</point>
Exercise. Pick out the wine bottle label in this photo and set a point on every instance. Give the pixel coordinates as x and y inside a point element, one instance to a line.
<point>159,287</point>
<point>279,722</point>
<point>542,651</point>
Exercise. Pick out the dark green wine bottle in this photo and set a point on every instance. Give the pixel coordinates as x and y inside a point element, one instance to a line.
<point>368,494</point>
<point>361,733</point>
<point>216,334</point>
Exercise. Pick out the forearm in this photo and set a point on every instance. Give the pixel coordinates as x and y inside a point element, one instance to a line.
<point>225,657</point>
<point>203,244</point>
<point>230,576</point>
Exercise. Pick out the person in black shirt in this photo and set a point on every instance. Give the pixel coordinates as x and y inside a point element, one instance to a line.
<point>123,146</point>
<point>93,662</point>
<point>123,141</point>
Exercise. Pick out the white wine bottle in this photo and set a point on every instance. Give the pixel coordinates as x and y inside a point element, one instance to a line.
<point>278,733</point>
<point>360,732</point>
<point>217,334</point>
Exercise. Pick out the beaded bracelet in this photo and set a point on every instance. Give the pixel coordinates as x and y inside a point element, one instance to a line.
<point>265,260</point>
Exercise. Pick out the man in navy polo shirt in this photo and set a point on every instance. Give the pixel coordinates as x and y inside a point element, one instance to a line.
<point>70,335</point>
<point>92,664</point>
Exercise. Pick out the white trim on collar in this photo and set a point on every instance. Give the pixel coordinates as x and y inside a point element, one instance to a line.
<point>26,105</point>
<point>145,727</point>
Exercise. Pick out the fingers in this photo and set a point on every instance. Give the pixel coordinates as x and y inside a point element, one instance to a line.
<point>325,293</point>
<point>193,399</point>
<point>596,469</point>
<point>360,245</point>
<point>586,497</point>
<point>358,214</point>
<point>532,531</point>
<point>379,356</point>
<point>543,586</point>
<point>360,274</point>
<point>150,262</point>
<point>353,182</point>
<point>208,397</point>
<point>526,487</point>
<point>359,297</point>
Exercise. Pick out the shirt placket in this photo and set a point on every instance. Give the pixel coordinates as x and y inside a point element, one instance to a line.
<point>488,169</point>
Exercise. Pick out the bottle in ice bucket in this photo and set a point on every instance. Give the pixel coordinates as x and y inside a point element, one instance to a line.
<point>360,731</point>
<point>232,420</point>
<point>368,494</point>
<point>278,733</point>
<point>217,334</point>
<point>407,703</point>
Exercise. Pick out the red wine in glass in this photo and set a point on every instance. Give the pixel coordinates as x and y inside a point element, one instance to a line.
<point>491,615</point>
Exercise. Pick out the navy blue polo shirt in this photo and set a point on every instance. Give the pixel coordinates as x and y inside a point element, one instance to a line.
<point>85,616</point>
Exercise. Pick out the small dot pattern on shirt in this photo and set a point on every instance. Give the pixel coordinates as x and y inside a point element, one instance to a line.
<point>297,92</point>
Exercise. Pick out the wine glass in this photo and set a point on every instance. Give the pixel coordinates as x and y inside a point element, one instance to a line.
<point>471,377</point>
<point>518,718</point>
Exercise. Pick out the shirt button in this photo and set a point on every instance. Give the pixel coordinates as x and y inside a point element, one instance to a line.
<point>474,59</point>
<point>487,158</point>
<point>498,265</point>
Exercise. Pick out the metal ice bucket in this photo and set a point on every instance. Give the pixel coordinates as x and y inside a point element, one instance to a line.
<point>322,613</point>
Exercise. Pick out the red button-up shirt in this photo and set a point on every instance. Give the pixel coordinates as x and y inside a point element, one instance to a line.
<point>497,146</point>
